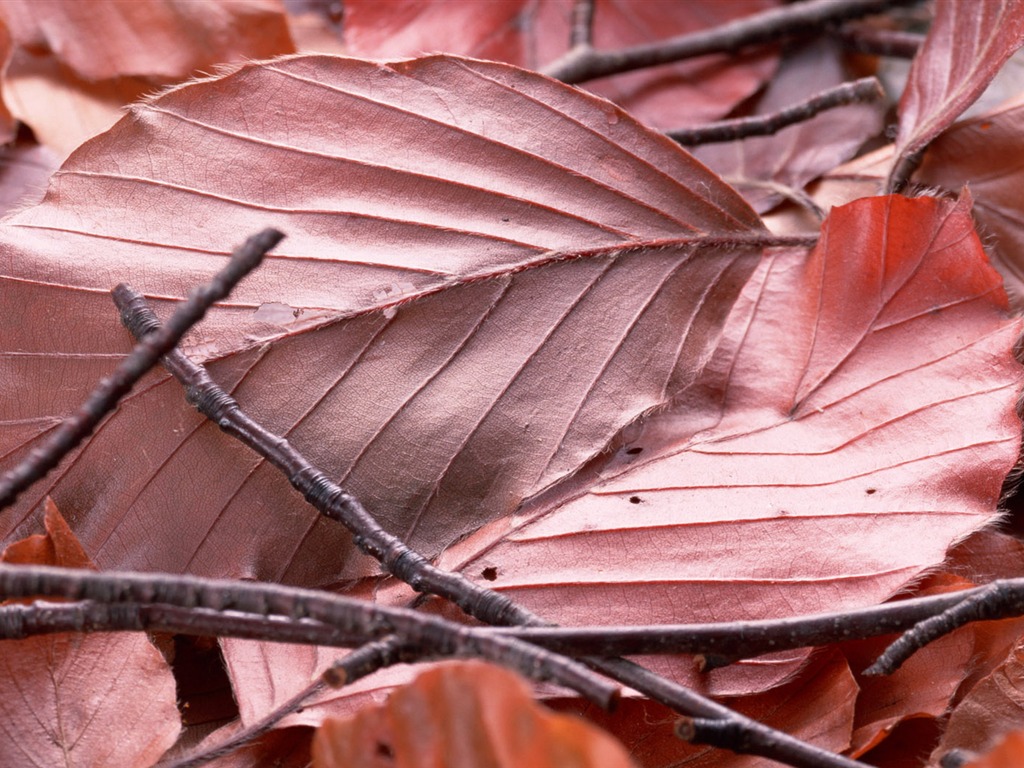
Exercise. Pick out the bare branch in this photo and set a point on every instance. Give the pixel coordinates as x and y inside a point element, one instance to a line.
<point>858,92</point>
<point>431,636</point>
<point>584,63</point>
<point>863,38</point>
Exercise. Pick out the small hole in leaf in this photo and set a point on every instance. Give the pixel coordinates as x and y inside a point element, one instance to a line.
<point>783,512</point>
<point>384,750</point>
<point>634,451</point>
<point>635,499</point>
<point>490,573</point>
<point>869,491</point>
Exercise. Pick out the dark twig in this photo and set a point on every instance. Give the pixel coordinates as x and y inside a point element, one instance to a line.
<point>858,92</point>
<point>428,634</point>
<point>361,662</point>
<point>864,38</point>
<point>144,356</point>
<point>999,600</point>
<point>727,641</point>
<point>584,63</point>
<point>582,32</point>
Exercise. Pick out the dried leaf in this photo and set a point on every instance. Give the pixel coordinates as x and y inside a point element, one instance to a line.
<point>1008,753</point>
<point>73,66</point>
<point>463,715</point>
<point>448,328</point>
<point>966,46</point>
<point>833,449</point>
<point>994,707</point>
<point>72,699</point>
<point>987,153</point>
<point>533,34</point>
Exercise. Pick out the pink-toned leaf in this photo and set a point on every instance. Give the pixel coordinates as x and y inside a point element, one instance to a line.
<point>812,467</point>
<point>463,715</point>
<point>800,153</point>
<point>533,33</point>
<point>73,66</point>
<point>987,152</point>
<point>71,699</point>
<point>994,707</point>
<point>448,328</point>
<point>966,46</point>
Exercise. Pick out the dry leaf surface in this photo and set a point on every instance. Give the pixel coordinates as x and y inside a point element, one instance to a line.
<point>534,33</point>
<point>73,699</point>
<point>412,333</point>
<point>967,44</point>
<point>463,715</point>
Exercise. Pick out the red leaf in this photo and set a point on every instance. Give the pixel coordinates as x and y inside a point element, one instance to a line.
<point>463,715</point>
<point>1008,753</point>
<point>987,153</point>
<point>72,699</point>
<point>968,43</point>
<point>412,333</point>
<point>533,34</point>
<point>833,449</point>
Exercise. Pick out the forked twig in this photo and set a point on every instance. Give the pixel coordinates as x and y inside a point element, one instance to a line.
<point>431,636</point>
<point>859,91</point>
<point>70,432</point>
<point>583,63</point>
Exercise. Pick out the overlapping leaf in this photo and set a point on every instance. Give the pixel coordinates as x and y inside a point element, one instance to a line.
<point>463,715</point>
<point>967,45</point>
<point>448,328</point>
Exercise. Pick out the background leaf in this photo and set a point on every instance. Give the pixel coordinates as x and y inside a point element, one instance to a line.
<point>75,699</point>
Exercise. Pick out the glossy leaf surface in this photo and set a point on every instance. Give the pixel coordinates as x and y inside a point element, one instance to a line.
<point>449,327</point>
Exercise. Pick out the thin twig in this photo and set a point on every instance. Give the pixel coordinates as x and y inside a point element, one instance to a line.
<point>361,662</point>
<point>858,92</point>
<point>864,38</point>
<point>582,32</point>
<point>584,63</point>
<point>1000,599</point>
<point>70,432</point>
<point>430,635</point>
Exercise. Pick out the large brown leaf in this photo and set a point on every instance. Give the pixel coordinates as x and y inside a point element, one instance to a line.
<point>448,328</point>
<point>966,46</point>
<point>533,33</point>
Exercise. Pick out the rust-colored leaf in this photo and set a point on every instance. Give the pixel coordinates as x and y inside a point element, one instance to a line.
<point>448,328</point>
<point>533,34</point>
<point>67,699</point>
<point>464,715</point>
<point>833,449</point>
<point>73,66</point>
<point>1008,753</point>
<point>994,707</point>
<point>987,153</point>
<point>966,46</point>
